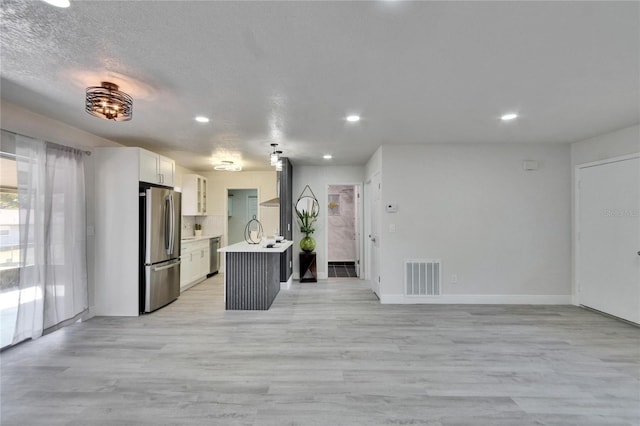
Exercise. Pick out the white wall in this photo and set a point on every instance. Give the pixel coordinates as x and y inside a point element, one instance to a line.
<point>615,144</point>
<point>318,178</point>
<point>180,172</point>
<point>503,231</point>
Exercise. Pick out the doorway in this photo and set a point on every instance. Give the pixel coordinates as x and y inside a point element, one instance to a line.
<point>343,234</point>
<point>242,206</point>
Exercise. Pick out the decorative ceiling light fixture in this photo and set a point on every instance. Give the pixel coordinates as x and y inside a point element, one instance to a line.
<point>227,166</point>
<point>107,102</point>
<point>275,156</point>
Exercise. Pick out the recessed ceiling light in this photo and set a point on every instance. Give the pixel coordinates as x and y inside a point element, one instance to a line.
<point>201,119</point>
<point>353,118</point>
<point>327,157</point>
<point>509,116</point>
<point>58,3</point>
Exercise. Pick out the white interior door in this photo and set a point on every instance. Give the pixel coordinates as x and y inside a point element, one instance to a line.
<point>609,238</point>
<point>374,237</point>
<point>358,237</point>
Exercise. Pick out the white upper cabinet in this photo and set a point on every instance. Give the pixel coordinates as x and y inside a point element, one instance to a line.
<point>167,170</point>
<point>155,168</point>
<point>194,195</point>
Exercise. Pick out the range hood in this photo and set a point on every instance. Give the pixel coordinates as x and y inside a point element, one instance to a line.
<point>274,202</point>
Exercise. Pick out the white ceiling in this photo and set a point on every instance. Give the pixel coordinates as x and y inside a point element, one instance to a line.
<point>289,72</point>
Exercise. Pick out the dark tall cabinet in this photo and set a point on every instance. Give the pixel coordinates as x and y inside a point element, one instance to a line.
<point>285,192</point>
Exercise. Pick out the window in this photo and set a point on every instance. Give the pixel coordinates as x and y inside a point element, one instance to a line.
<point>43,279</point>
<point>9,245</point>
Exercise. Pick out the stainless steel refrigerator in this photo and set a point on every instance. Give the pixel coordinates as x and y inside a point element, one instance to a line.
<point>160,215</point>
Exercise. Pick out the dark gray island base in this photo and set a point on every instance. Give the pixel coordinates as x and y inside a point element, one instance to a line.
<point>252,275</point>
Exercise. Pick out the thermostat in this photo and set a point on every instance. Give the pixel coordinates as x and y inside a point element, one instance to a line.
<point>391,208</point>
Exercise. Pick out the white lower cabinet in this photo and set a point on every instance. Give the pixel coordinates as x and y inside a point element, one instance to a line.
<point>194,266</point>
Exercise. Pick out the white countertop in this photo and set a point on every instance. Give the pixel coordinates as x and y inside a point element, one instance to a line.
<point>203,237</point>
<point>256,248</point>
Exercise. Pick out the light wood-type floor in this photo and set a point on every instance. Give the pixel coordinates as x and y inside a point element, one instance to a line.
<point>328,353</point>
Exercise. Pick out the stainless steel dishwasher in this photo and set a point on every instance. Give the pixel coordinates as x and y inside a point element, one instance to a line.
<point>214,245</point>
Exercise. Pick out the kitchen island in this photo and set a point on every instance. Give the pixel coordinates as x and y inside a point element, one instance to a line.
<point>252,275</point>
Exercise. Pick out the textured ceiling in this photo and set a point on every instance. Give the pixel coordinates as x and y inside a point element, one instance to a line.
<point>288,72</point>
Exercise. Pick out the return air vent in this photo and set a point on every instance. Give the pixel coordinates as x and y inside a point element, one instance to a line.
<point>422,277</point>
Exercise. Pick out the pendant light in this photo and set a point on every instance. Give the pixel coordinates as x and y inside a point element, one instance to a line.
<point>275,158</point>
<point>275,155</point>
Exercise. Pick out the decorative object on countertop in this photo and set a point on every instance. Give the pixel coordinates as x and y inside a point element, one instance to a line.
<point>197,230</point>
<point>307,210</point>
<point>253,231</point>
<point>106,101</point>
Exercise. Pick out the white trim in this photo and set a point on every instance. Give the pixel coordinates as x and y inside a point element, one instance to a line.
<point>608,160</point>
<point>91,311</point>
<point>286,285</point>
<point>191,284</point>
<point>479,299</point>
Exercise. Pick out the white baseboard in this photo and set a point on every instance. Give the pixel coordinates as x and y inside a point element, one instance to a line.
<point>191,284</point>
<point>479,299</point>
<point>91,312</point>
<point>286,285</point>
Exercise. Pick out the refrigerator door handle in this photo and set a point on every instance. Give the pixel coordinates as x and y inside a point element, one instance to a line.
<point>173,224</point>
<point>162,268</point>
<point>168,213</point>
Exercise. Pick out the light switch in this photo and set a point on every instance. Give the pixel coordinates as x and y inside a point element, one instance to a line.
<point>392,227</point>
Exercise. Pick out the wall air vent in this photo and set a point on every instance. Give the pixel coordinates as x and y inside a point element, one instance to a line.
<point>422,277</point>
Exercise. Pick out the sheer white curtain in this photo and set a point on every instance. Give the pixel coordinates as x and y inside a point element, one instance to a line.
<point>53,272</point>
